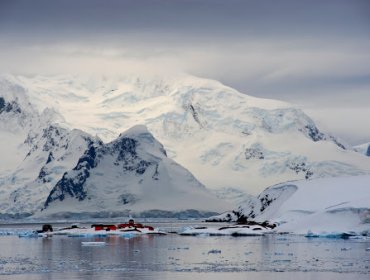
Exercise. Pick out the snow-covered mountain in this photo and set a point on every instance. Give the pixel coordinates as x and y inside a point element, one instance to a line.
<point>21,124</point>
<point>52,152</point>
<point>225,138</point>
<point>35,151</point>
<point>363,149</point>
<point>339,204</point>
<point>39,152</point>
<point>131,174</point>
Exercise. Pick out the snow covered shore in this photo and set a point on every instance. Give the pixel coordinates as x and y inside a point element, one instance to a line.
<point>322,207</point>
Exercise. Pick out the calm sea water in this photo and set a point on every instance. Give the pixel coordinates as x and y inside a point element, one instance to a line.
<point>179,257</point>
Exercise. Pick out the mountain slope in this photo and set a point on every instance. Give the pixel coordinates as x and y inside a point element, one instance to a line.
<point>323,205</point>
<point>20,122</point>
<point>131,174</point>
<point>52,152</point>
<point>225,138</point>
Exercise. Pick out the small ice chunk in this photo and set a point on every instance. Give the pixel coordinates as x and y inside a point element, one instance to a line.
<point>28,234</point>
<point>91,243</point>
<point>7,232</point>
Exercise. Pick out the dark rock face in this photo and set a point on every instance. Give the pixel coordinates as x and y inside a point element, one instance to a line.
<point>71,186</point>
<point>126,148</point>
<point>42,175</point>
<point>254,153</point>
<point>301,167</point>
<point>194,112</point>
<point>155,176</point>
<point>88,159</point>
<point>2,104</point>
<point>72,183</point>
<point>125,155</point>
<point>9,106</point>
<point>265,201</point>
<point>50,134</point>
<point>340,145</point>
<point>142,166</point>
<point>314,133</point>
<point>51,138</point>
<point>50,158</point>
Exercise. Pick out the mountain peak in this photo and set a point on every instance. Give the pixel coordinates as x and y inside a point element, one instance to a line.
<point>128,173</point>
<point>140,136</point>
<point>135,131</point>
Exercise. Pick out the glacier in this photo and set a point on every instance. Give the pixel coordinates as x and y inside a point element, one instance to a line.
<point>226,139</point>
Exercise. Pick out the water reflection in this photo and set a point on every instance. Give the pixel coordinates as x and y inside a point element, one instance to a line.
<point>173,256</point>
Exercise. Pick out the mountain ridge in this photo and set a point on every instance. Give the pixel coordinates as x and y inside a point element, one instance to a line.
<point>252,142</point>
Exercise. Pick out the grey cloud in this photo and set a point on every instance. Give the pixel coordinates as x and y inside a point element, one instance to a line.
<point>212,19</point>
<point>349,123</point>
<point>315,53</point>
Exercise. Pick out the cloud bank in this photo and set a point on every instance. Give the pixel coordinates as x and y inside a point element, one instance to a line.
<point>312,53</point>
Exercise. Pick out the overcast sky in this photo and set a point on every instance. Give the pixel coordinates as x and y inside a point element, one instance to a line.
<point>312,53</point>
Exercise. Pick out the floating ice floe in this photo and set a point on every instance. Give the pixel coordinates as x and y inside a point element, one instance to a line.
<point>311,234</point>
<point>237,230</point>
<point>96,243</point>
<point>28,234</point>
<point>10,232</point>
<point>34,234</point>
